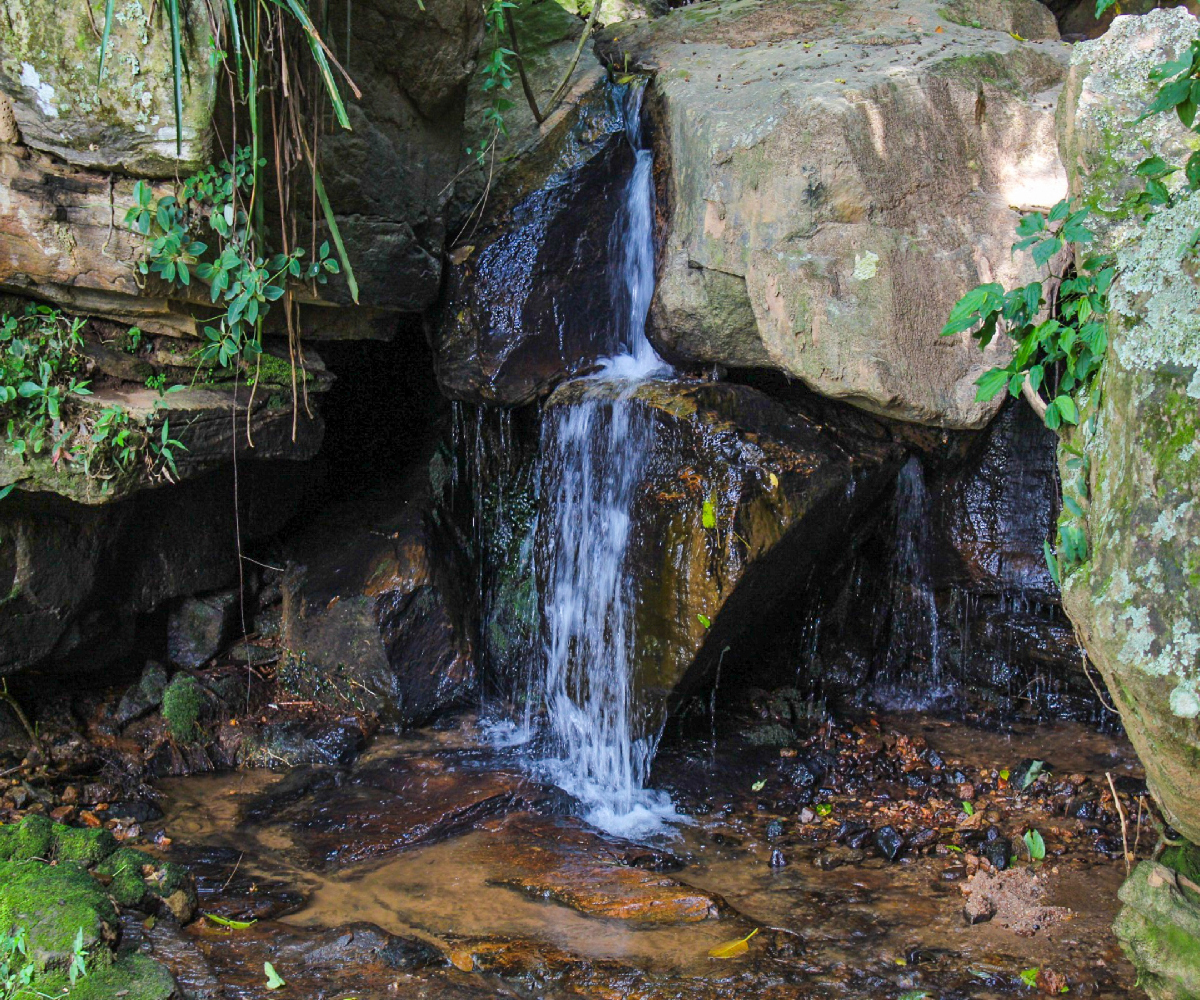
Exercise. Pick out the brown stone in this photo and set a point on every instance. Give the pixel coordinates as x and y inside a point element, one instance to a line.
<point>560,859</point>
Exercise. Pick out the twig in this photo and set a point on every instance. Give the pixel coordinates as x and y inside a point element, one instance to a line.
<point>232,873</point>
<point>9,700</point>
<point>1121,813</point>
<point>587,33</point>
<point>530,99</point>
<point>1137,837</point>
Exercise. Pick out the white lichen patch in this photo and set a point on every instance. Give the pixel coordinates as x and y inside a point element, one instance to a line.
<point>1167,525</point>
<point>43,93</point>
<point>866,265</point>
<point>1158,297</point>
<point>1185,702</point>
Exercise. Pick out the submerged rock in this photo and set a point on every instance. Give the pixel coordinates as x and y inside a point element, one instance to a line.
<point>839,175</point>
<point>1135,600</point>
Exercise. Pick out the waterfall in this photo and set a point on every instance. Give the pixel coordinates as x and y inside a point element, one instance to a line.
<point>594,454</point>
<point>914,642</point>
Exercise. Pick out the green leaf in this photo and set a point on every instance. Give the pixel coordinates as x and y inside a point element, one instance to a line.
<point>1060,211</point>
<point>704,620</point>
<point>6,490</point>
<point>317,47</point>
<point>968,310</point>
<point>1066,407</point>
<point>968,808</point>
<point>1045,250</point>
<point>336,233</point>
<point>1031,775</point>
<point>990,383</point>
<point>758,786</point>
<point>1029,976</point>
<point>237,925</point>
<point>824,809</point>
<point>708,516</point>
<point>1155,166</point>
<point>274,980</point>
<point>1035,845</point>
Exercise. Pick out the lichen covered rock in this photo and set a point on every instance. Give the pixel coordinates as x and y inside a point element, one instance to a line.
<point>1136,601</point>
<point>49,59</point>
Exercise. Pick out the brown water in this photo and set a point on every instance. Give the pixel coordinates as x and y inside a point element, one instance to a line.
<point>867,928</point>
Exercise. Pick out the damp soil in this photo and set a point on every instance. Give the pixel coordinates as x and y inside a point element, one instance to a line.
<point>435,867</point>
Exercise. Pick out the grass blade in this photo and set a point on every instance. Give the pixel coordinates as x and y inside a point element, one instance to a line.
<point>177,73</point>
<point>336,234</point>
<point>319,57</point>
<point>235,30</point>
<point>108,19</point>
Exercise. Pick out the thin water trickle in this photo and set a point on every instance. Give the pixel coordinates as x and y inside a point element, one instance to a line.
<point>594,455</point>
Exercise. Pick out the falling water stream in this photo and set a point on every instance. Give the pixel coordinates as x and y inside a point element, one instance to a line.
<point>594,454</point>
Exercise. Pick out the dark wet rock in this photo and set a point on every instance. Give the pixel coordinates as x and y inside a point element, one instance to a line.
<point>835,857</point>
<point>197,627</point>
<point>774,830</point>
<point>778,859</point>
<point>357,943</point>
<point>407,802</point>
<point>372,620</point>
<point>922,838</point>
<point>531,301</point>
<point>225,887</point>
<point>98,568</point>
<point>653,860</point>
<point>998,851</point>
<point>560,859</point>
<point>808,773</point>
<point>290,744</point>
<point>784,491</point>
<point>889,842</point>
<point>143,697</point>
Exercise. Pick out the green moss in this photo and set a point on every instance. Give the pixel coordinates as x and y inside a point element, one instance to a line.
<point>88,847</point>
<point>131,977</point>
<point>277,371</point>
<point>8,838</point>
<point>125,866</point>
<point>34,838</point>
<point>52,903</point>
<point>181,705</point>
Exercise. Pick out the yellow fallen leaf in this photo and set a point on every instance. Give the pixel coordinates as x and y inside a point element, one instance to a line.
<point>839,80</point>
<point>463,960</point>
<point>731,949</point>
<point>938,30</point>
<point>774,481</point>
<point>1016,36</point>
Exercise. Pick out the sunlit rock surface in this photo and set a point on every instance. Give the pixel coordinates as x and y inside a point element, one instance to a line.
<point>839,174</point>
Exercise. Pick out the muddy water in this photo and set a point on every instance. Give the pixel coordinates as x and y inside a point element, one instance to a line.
<point>516,898</point>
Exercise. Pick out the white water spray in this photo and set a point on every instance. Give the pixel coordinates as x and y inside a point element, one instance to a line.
<point>594,457</point>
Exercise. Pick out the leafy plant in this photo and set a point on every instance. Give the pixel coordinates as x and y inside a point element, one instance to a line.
<point>1032,773</point>
<point>16,966</point>
<point>1029,977</point>
<point>39,360</point>
<point>1035,845</point>
<point>78,967</point>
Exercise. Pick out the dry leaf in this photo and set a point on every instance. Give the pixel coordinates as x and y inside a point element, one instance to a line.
<point>731,949</point>
<point>463,960</point>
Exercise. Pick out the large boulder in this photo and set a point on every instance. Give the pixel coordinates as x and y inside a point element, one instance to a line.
<point>373,621</point>
<point>840,173</point>
<point>740,500</point>
<point>1136,601</point>
<point>49,62</point>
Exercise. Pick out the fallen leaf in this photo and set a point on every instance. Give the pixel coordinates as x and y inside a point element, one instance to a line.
<point>234,925</point>
<point>274,980</point>
<point>938,30</point>
<point>731,949</point>
<point>462,960</point>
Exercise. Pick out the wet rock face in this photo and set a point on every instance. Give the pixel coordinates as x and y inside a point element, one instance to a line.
<point>372,620</point>
<point>390,177</point>
<point>743,500</point>
<point>1135,600</point>
<point>834,190</point>
<point>531,302</point>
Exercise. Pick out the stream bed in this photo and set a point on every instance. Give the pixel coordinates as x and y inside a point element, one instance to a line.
<point>480,881</point>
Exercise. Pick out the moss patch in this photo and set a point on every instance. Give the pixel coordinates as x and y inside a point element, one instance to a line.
<point>52,903</point>
<point>181,705</point>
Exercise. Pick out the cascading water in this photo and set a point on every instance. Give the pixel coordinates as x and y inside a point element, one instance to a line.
<point>914,643</point>
<point>594,454</point>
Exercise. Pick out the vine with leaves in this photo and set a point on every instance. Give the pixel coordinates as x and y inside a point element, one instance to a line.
<point>1058,324</point>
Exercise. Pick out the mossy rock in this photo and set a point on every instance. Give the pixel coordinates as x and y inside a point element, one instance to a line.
<point>1159,927</point>
<point>182,703</point>
<point>139,878</point>
<point>53,903</point>
<point>131,977</point>
<point>84,846</point>
<point>33,838</point>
